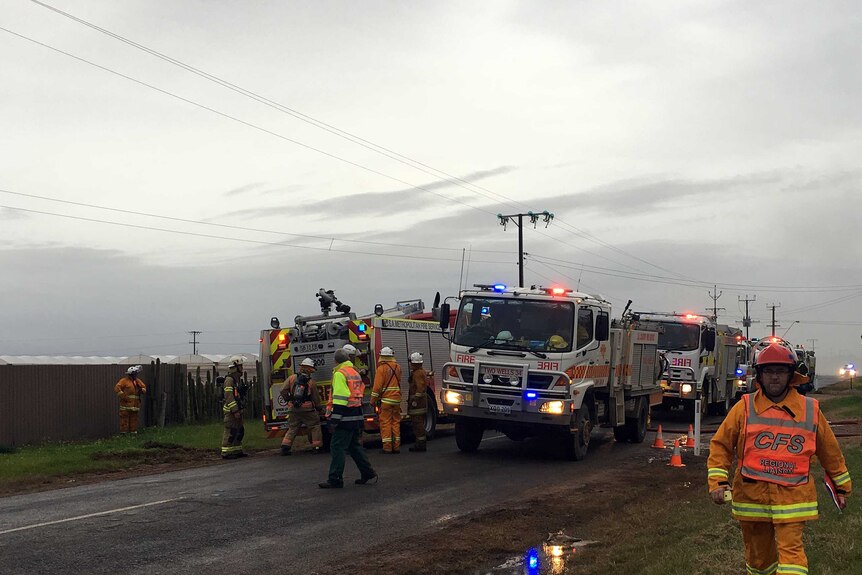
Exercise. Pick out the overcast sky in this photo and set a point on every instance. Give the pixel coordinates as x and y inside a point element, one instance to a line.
<point>678,145</point>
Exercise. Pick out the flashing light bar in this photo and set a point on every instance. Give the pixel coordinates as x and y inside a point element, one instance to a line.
<point>691,316</point>
<point>558,291</point>
<point>499,287</point>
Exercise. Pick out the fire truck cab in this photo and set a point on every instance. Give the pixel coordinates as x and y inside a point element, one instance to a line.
<point>546,362</point>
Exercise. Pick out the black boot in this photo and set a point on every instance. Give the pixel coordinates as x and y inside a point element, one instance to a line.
<point>330,485</point>
<point>285,450</point>
<point>364,480</point>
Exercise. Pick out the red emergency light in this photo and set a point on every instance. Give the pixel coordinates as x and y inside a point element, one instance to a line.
<point>558,291</point>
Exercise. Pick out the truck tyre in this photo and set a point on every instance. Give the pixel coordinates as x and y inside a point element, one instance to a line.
<point>576,444</point>
<point>637,426</point>
<point>621,433</point>
<point>468,433</point>
<point>431,416</point>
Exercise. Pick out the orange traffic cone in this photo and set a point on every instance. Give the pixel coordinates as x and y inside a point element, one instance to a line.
<point>659,441</point>
<point>689,442</point>
<point>676,458</point>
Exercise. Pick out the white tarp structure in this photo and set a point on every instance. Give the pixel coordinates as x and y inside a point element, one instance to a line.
<point>59,360</point>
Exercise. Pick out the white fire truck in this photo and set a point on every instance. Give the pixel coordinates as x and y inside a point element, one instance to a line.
<point>406,328</point>
<point>703,359</point>
<point>547,362</point>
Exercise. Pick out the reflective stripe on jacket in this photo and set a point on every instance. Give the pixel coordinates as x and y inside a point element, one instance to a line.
<point>231,393</point>
<point>387,383</point>
<point>417,400</point>
<point>345,402</point>
<point>129,390</point>
<point>755,500</point>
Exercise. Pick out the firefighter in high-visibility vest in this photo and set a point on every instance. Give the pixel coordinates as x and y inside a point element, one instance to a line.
<point>417,400</point>
<point>774,432</point>
<point>345,419</point>
<point>304,407</point>
<point>386,396</point>
<point>129,390</point>
<point>234,430</point>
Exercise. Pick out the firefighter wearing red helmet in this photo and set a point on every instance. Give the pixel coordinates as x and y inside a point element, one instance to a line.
<point>773,433</point>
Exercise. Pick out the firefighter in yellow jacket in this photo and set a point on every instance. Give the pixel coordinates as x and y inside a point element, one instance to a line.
<point>234,430</point>
<point>417,401</point>
<point>129,390</point>
<point>774,432</point>
<point>386,394</point>
<point>304,407</point>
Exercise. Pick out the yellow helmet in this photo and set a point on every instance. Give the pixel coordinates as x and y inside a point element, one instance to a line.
<point>557,342</point>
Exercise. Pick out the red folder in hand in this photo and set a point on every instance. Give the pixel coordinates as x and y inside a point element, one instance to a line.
<point>830,487</point>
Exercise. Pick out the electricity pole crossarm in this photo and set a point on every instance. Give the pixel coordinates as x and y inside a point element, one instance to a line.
<point>194,341</point>
<point>518,220</point>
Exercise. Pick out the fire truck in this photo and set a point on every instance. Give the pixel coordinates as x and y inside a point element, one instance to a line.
<point>547,362</point>
<point>406,328</point>
<point>703,360</point>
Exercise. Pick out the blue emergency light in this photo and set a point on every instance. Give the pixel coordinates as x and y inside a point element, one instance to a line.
<point>362,327</point>
<point>531,395</point>
<point>532,561</point>
<point>499,287</point>
<point>739,371</point>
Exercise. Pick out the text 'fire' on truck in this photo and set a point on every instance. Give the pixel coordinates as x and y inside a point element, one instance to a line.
<point>547,362</point>
<point>406,328</point>
<point>703,359</point>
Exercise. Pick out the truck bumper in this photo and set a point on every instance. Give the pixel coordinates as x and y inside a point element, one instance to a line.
<point>514,417</point>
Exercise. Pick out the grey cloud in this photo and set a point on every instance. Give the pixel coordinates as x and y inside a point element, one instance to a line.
<point>242,189</point>
<point>375,203</point>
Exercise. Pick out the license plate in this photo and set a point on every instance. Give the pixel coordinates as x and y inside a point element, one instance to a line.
<point>503,371</point>
<point>504,409</point>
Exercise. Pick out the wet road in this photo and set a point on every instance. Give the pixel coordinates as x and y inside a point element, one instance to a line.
<point>266,512</point>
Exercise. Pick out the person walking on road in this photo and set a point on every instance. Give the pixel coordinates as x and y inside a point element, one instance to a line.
<point>234,430</point>
<point>774,432</point>
<point>304,407</point>
<point>129,390</point>
<point>417,401</point>
<point>386,395</point>
<point>344,412</point>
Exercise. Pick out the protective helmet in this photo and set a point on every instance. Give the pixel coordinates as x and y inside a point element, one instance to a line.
<point>504,336</point>
<point>308,362</point>
<point>387,352</point>
<point>416,357</point>
<point>133,370</point>
<point>557,342</point>
<point>776,353</point>
<point>350,349</point>
<point>235,361</point>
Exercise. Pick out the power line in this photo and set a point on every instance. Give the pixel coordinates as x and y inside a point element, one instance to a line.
<point>243,240</point>
<point>234,227</point>
<point>416,164</point>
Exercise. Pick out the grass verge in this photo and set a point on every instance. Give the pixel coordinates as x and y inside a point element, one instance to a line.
<point>56,464</point>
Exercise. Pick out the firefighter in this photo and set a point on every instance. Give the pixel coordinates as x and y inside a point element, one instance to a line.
<point>417,401</point>
<point>774,432</point>
<point>129,390</point>
<point>344,412</point>
<point>386,395</point>
<point>354,356</point>
<point>231,443</point>
<point>303,400</point>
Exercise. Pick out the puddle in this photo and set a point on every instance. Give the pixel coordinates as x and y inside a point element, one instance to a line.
<point>549,558</point>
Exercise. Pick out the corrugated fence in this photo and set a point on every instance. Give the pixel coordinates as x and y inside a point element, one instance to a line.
<point>41,403</point>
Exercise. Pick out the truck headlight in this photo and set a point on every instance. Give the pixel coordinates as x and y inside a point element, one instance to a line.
<point>554,407</point>
<point>740,383</point>
<point>454,397</point>
<point>685,388</point>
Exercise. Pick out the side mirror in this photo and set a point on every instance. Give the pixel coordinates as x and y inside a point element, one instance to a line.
<point>603,327</point>
<point>444,316</point>
<point>709,340</point>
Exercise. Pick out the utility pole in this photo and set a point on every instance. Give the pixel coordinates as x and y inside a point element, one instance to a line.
<point>746,321</point>
<point>715,294</point>
<point>518,220</point>
<point>194,341</point>
<point>773,324</point>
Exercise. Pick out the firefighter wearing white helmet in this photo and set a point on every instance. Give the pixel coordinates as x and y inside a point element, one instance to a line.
<point>129,390</point>
<point>234,395</point>
<point>386,394</point>
<point>355,359</point>
<point>303,407</point>
<point>417,401</point>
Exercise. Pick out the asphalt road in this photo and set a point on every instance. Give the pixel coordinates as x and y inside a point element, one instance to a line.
<point>266,512</point>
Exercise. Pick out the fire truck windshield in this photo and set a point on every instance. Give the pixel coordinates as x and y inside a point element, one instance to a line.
<point>673,336</point>
<point>517,324</point>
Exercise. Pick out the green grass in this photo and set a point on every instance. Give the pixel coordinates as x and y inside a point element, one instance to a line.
<point>848,406</point>
<point>30,465</point>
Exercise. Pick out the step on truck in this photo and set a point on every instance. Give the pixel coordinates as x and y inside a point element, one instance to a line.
<point>406,328</point>
<point>547,363</point>
<point>703,360</point>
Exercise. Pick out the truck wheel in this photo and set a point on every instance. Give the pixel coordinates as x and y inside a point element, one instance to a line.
<point>468,433</point>
<point>431,416</point>
<point>637,426</point>
<point>621,433</point>
<point>576,444</point>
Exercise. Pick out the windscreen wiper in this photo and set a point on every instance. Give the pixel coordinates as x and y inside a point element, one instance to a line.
<point>539,354</point>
